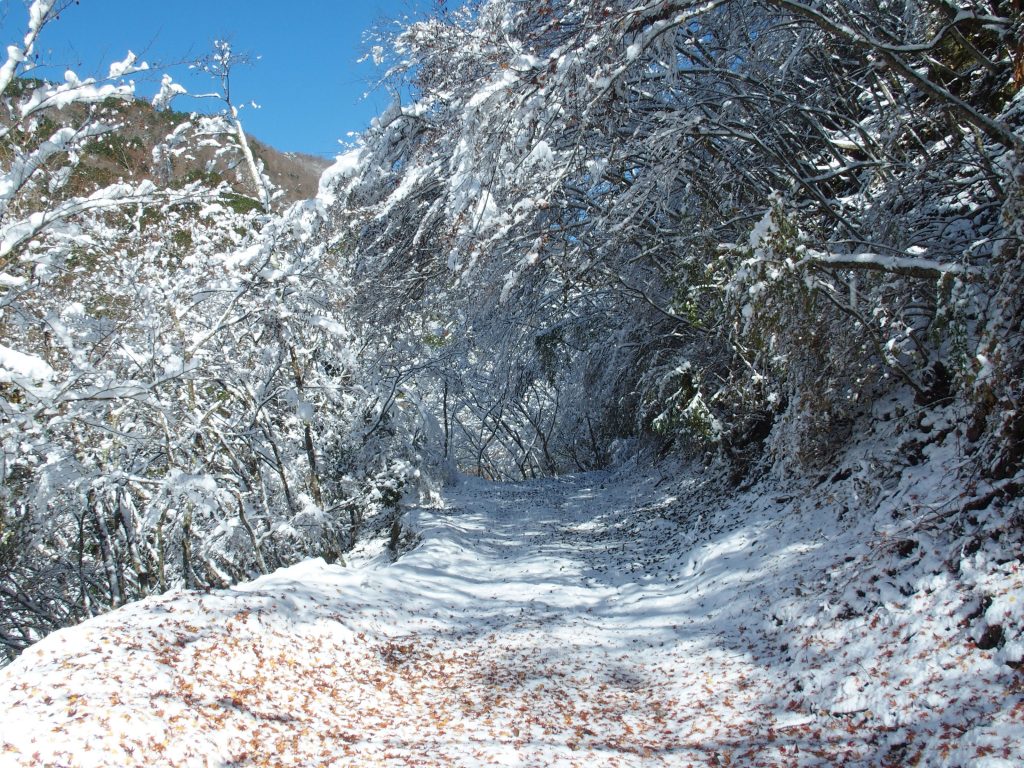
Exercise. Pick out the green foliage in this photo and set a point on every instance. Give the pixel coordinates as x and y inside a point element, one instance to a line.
<point>241,204</point>
<point>547,346</point>
<point>205,177</point>
<point>123,151</point>
<point>82,259</point>
<point>435,340</point>
<point>768,298</point>
<point>88,177</point>
<point>955,63</point>
<point>687,419</point>
<point>796,347</point>
<point>21,86</point>
<point>182,238</point>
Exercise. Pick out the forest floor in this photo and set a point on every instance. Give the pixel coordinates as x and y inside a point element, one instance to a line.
<point>608,619</point>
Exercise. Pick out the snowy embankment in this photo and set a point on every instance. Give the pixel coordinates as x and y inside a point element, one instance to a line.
<point>607,619</point>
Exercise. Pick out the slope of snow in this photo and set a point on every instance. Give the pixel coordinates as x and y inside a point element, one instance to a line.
<point>610,619</point>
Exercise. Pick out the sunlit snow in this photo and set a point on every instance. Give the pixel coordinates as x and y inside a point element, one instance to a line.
<point>598,620</point>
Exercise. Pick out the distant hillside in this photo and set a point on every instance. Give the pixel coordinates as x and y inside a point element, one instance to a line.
<point>194,147</point>
<point>296,173</point>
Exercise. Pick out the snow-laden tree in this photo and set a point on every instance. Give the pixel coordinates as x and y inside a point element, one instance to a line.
<point>697,219</point>
<point>219,65</point>
<point>49,212</point>
<point>180,400</point>
<point>728,225</point>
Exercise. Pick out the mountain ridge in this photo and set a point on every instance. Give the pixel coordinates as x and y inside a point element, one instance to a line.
<point>129,150</point>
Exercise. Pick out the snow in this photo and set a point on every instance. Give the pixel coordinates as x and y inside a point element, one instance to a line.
<point>331,326</point>
<point>763,229</point>
<point>345,166</point>
<point>163,98</point>
<point>127,67</point>
<point>73,91</point>
<point>8,280</point>
<point>37,13</point>
<point>624,618</point>
<point>889,263</point>
<point>507,78</point>
<point>19,365</point>
<point>541,155</point>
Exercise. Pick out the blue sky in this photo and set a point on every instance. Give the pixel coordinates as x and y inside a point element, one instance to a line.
<point>307,81</point>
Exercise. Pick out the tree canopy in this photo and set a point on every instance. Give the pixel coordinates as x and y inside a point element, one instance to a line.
<point>724,228</point>
<point>694,219</point>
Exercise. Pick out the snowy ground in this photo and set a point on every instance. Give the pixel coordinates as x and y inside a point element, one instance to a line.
<point>601,620</point>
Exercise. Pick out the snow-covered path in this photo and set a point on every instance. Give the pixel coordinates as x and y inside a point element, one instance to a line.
<point>581,621</point>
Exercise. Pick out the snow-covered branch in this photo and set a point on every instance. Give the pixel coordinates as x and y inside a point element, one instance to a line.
<point>911,266</point>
